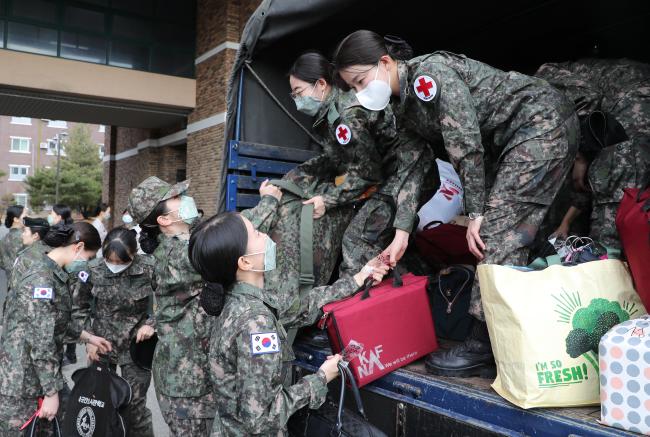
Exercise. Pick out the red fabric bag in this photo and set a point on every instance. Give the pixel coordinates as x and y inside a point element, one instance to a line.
<point>392,322</point>
<point>444,244</point>
<point>632,223</point>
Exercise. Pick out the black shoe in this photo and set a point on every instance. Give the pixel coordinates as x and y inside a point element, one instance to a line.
<point>471,358</point>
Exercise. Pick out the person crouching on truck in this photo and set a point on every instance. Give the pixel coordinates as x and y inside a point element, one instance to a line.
<point>511,137</point>
<point>387,167</point>
<point>250,357</point>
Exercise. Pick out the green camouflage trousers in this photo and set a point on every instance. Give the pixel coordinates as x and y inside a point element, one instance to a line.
<point>188,417</point>
<point>520,197</point>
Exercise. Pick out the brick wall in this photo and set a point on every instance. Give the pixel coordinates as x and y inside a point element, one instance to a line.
<point>218,21</point>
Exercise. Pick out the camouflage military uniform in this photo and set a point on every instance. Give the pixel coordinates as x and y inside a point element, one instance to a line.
<point>621,87</point>
<point>512,138</point>
<point>248,373</point>
<point>10,245</point>
<point>38,313</point>
<point>121,308</point>
<point>180,361</point>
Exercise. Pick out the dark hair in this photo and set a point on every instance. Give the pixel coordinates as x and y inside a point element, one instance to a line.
<point>37,226</point>
<point>62,235</point>
<point>365,47</point>
<point>102,207</point>
<point>149,229</point>
<point>14,211</point>
<point>214,249</point>
<point>65,212</point>
<point>121,242</point>
<point>311,66</point>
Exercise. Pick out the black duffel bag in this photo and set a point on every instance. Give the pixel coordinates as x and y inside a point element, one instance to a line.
<point>334,420</point>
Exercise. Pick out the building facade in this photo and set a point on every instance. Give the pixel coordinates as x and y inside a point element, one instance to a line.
<point>27,144</point>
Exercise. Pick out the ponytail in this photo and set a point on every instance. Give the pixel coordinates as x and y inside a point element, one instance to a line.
<point>365,47</point>
<point>149,230</point>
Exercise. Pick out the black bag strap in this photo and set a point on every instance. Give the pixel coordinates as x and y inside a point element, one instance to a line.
<point>30,431</point>
<point>367,284</point>
<point>346,374</point>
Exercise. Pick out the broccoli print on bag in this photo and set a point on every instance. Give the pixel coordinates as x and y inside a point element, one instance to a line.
<point>589,323</point>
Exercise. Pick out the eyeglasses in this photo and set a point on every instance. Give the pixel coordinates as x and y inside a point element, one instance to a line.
<point>296,93</point>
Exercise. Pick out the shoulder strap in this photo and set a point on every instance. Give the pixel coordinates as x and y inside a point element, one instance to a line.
<point>306,243</point>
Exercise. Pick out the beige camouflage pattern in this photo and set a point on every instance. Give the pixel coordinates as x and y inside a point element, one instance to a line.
<point>251,397</point>
<point>32,342</point>
<point>10,246</point>
<point>624,87</point>
<point>511,137</point>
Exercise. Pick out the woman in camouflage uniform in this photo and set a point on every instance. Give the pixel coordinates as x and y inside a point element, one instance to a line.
<point>120,284</point>
<point>511,137</point>
<point>12,243</point>
<point>180,364</point>
<point>250,358</point>
<point>37,317</point>
<point>374,160</point>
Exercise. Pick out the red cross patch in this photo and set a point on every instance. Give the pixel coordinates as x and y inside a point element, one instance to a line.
<point>425,88</point>
<point>343,134</point>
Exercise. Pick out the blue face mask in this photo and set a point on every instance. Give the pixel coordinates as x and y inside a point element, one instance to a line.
<point>50,220</point>
<point>187,211</point>
<point>269,256</point>
<point>307,104</point>
<point>77,265</point>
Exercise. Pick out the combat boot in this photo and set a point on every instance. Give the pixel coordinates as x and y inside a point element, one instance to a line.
<point>473,357</point>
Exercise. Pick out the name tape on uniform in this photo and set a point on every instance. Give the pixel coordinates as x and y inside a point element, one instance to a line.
<point>265,343</point>
<point>43,293</point>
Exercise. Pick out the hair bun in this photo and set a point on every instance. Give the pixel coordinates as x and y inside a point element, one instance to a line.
<point>398,48</point>
<point>212,298</point>
<point>58,234</point>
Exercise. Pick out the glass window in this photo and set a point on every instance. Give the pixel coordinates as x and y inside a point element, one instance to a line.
<point>34,39</point>
<point>40,10</point>
<point>129,56</point>
<point>21,199</point>
<point>84,19</point>
<point>20,145</point>
<point>176,11</point>
<point>21,120</point>
<point>2,34</point>
<point>131,28</point>
<point>173,62</point>
<point>101,151</point>
<point>83,47</point>
<point>142,7</point>
<point>18,172</point>
<point>102,128</point>
<point>59,124</point>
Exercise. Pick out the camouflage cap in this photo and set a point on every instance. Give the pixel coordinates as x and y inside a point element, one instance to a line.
<point>144,198</point>
<point>36,222</point>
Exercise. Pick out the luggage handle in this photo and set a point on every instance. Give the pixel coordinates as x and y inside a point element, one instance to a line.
<point>346,373</point>
<point>432,224</point>
<point>367,284</point>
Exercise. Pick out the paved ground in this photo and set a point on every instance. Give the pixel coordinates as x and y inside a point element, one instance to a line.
<point>159,426</point>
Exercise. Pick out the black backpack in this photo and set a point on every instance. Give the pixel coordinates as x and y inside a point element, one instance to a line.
<point>94,404</point>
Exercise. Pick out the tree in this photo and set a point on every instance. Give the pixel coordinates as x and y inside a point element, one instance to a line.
<point>80,184</point>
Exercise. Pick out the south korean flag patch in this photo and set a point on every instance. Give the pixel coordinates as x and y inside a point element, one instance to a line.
<point>83,276</point>
<point>425,88</point>
<point>43,293</point>
<point>343,134</point>
<point>265,343</point>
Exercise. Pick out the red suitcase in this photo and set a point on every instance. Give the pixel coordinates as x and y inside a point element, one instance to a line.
<point>392,323</point>
<point>633,224</point>
<point>444,244</point>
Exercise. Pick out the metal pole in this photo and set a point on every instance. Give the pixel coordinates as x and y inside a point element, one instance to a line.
<point>58,167</point>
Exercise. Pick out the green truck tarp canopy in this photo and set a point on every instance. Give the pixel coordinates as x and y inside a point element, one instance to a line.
<point>512,35</point>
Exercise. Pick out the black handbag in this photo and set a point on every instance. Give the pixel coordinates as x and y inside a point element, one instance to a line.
<point>332,420</point>
<point>38,426</point>
<point>450,292</point>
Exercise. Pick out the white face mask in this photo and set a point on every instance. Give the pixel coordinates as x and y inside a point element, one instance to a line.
<point>117,268</point>
<point>376,95</point>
